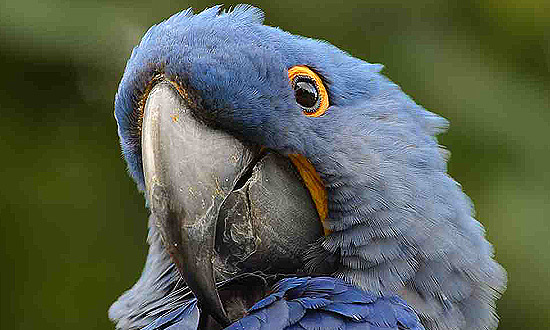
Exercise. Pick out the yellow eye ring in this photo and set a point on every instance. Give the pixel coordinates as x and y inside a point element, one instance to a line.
<point>309,90</point>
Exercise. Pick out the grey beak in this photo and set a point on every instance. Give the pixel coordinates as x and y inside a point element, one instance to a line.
<point>193,173</point>
<point>189,169</point>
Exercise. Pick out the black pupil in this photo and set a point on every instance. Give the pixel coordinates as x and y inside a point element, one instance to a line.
<point>305,92</point>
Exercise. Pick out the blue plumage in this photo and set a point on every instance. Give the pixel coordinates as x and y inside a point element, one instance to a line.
<point>294,303</point>
<point>158,292</point>
<point>325,303</point>
<point>184,317</point>
<point>400,224</point>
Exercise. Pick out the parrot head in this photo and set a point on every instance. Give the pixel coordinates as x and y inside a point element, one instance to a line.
<point>353,180</point>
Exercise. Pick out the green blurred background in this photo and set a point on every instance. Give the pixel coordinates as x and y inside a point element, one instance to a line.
<point>74,226</point>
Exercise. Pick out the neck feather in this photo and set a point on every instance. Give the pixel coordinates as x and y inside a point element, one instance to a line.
<point>401,224</point>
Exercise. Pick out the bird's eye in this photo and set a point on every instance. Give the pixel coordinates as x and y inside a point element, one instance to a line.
<point>309,91</point>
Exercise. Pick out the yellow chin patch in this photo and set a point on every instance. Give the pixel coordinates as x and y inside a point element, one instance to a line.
<point>315,186</point>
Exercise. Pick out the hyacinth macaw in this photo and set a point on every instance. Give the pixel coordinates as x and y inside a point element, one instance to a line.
<point>262,153</point>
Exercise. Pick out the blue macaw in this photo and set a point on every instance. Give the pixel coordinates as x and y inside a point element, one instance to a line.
<point>262,153</point>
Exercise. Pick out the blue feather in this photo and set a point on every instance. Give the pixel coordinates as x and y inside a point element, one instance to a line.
<point>295,311</point>
<point>351,310</point>
<point>264,302</point>
<point>186,317</point>
<point>249,322</point>
<point>297,306</point>
<point>318,320</point>
<point>354,296</point>
<point>312,302</point>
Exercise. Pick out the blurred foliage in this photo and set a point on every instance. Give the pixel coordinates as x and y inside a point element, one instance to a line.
<point>74,226</point>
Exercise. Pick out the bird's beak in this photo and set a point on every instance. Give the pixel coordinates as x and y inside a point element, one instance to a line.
<point>194,178</point>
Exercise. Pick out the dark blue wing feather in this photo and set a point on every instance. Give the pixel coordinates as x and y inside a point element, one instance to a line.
<point>325,303</point>
<point>350,310</point>
<point>295,311</point>
<point>320,320</point>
